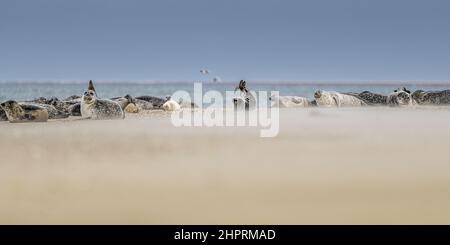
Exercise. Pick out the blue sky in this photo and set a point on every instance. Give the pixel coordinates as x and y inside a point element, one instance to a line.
<point>326,40</point>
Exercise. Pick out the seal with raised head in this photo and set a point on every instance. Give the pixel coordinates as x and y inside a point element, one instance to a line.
<point>95,108</point>
<point>290,101</point>
<point>400,97</point>
<point>243,97</point>
<point>331,99</point>
<point>431,97</point>
<point>24,112</point>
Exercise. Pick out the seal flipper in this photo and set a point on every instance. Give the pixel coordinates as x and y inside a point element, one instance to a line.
<point>336,101</point>
<point>3,116</point>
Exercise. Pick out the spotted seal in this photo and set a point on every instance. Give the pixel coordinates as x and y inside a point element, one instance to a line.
<point>331,98</point>
<point>73,104</point>
<point>73,98</point>
<point>243,97</point>
<point>124,101</point>
<point>370,98</point>
<point>56,108</point>
<point>431,97</point>
<point>152,102</point>
<point>95,108</point>
<point>24,112</point>
<point>400,97</point>
<point>127,103</point>
<point>144,105</point>
<point>53,113</point>
<point>61,105</point>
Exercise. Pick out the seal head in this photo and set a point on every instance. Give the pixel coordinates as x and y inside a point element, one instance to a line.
<point>400,97</point>
<point>95,108</point>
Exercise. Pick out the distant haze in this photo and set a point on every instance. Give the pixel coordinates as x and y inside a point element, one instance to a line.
<point>257,40</point>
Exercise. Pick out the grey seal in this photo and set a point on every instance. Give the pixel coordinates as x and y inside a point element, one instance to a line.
<point>24,112</point>
<point>73,104</point>
<point>127,103</point>
<point>124,101</point>
<point>95,108</point>
<point>56,108</point>
<point>371,98</point>
<point>400,97</point>
<point>154,102</point>
<point>432,97</point>
<point>72,98</point>
<point>144,105</point>
<point>53,113</point>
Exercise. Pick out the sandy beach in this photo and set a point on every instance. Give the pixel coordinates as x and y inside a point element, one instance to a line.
<point>326,166</point>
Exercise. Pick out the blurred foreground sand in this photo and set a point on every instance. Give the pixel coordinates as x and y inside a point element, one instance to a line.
<point>327,166</point>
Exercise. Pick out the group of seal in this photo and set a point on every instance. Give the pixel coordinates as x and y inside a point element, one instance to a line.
<point>90,105</point>
<point>16,112</point>
<point>399,97</point>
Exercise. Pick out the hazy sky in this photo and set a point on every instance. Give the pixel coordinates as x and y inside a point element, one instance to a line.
<point>251,39</point>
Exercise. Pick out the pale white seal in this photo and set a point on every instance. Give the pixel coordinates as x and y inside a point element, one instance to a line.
<point>331,98</point>
<point>290,101</point>
<point>171,105</point>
